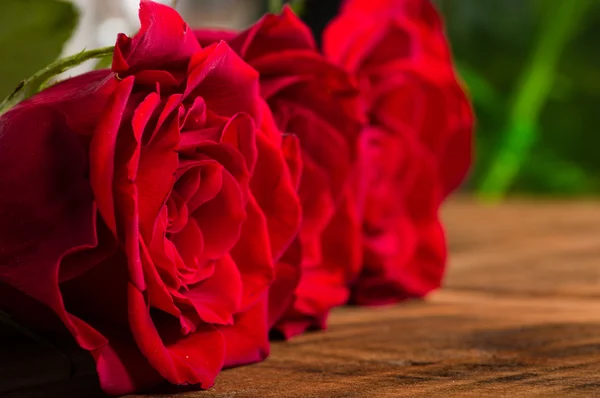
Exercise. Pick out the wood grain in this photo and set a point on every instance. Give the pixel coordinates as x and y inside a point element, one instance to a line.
<point>519,316</point>
<point>527,247</point>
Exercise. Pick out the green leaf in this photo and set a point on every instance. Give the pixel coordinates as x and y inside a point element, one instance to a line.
<point>32,34</point>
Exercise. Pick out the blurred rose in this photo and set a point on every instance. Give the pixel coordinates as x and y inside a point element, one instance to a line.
<point>417,148</point>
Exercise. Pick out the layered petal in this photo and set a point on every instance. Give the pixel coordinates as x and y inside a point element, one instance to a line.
<point>164,42</point>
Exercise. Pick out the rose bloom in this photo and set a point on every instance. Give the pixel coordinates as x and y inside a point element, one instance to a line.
<point>144,208</point>
<point>316,102</point>
<point>417,147</point>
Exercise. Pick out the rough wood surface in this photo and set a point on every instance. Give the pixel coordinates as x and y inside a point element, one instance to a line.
<point>519,316</point>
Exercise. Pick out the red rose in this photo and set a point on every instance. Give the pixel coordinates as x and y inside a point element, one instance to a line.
<point>316,102</point>
<point>417,148</point>
<point>147,207</point>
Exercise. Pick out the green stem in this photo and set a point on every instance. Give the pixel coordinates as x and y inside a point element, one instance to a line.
<point>532,92</point>
<point>39,80</point>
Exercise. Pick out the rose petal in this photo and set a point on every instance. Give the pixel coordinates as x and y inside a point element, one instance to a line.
<point>252,254</point>
<point>164,40</point>
<point>275,194</point>
<point>121,367</point>
<point>287,277</point>
<point>211,183</point>
<point>291,151</point>
<point>191,359</point>
<point>247,340</point>
<point>81,99</point>
<point>318,205</point>
<point>285,31</point>
<point>230,158</point>
<point>155,178</point>
<point>102,154</point>
<point>218,298</point>
<point>221,219</point>
<point>195,117</point>
<point>239,133</point>
<point>50,213</point>
<point>227,84</point>
<point>190,245</point>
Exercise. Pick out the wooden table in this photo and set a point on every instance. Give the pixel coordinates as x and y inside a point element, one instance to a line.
<point>519,316</point>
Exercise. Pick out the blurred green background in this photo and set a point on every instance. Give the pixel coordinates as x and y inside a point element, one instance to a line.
<point>532,68</point>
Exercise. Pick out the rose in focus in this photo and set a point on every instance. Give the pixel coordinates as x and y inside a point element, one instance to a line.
<point>148,206</point>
